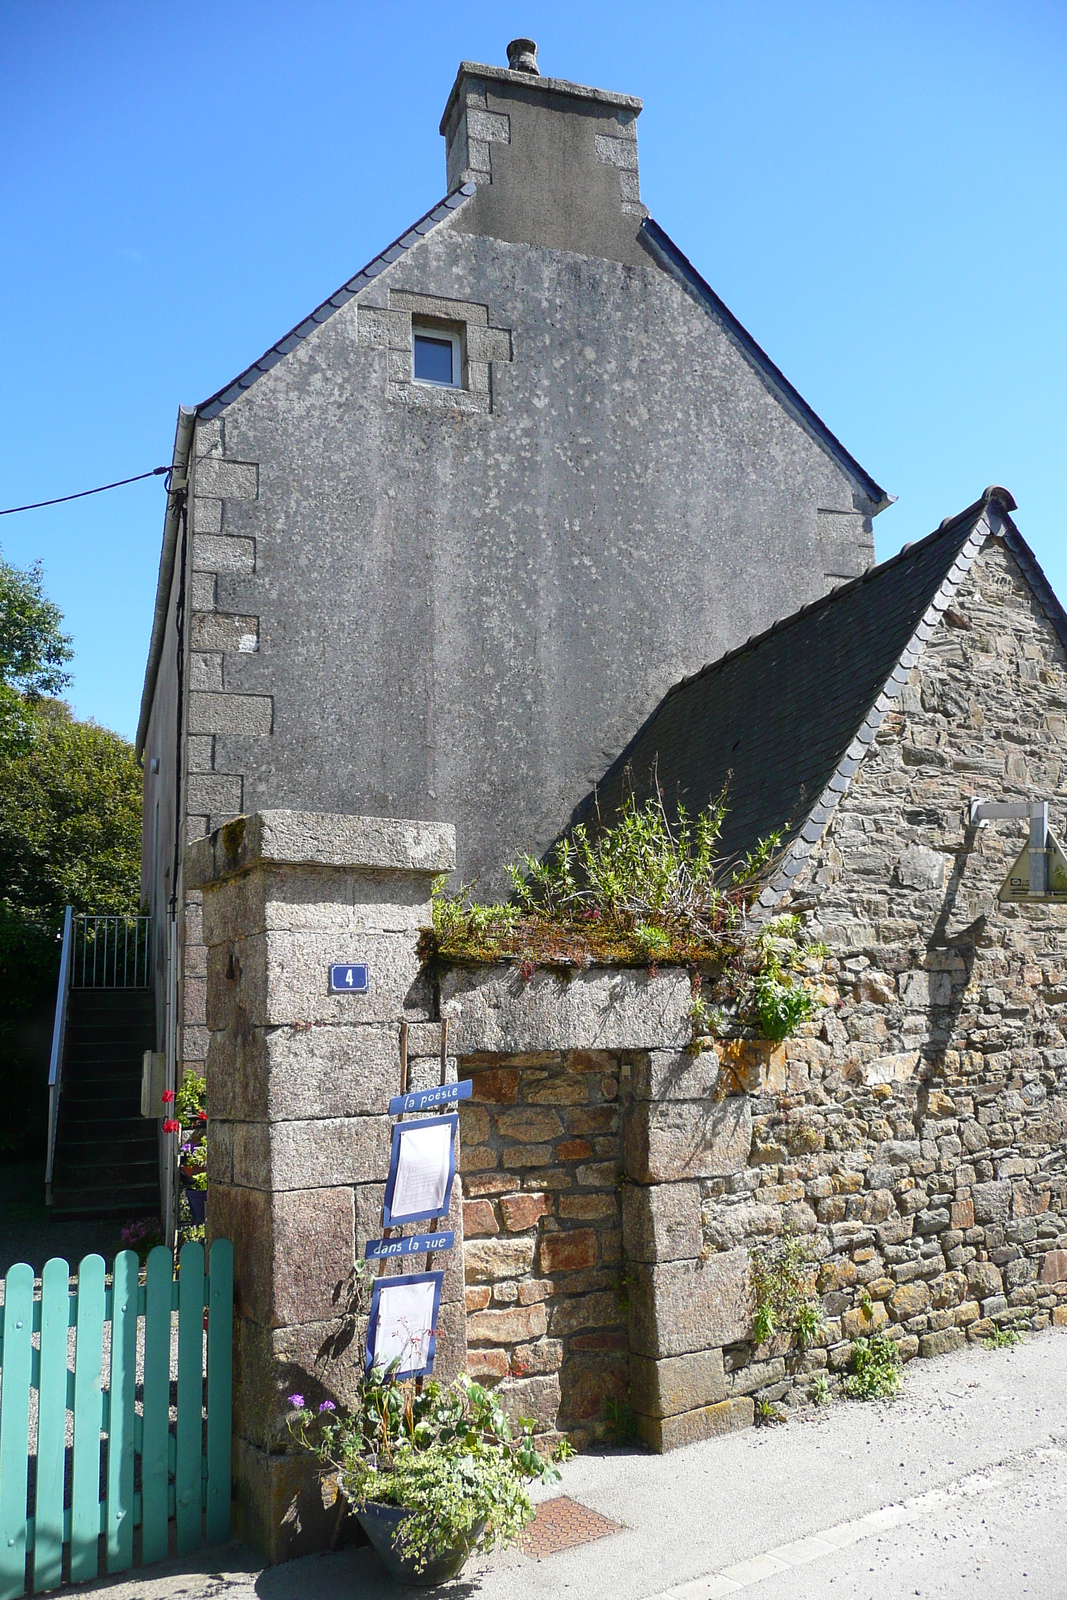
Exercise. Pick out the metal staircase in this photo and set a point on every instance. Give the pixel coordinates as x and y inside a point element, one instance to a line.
<point>103,1156</point>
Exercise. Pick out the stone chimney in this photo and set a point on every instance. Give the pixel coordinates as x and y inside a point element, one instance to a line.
<point>555,163</point>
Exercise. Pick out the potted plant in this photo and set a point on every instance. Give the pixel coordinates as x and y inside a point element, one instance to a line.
<point>433,1473</point>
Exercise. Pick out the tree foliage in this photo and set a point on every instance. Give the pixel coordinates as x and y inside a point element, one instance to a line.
<point>33,649</point>
<point>70,817</point>
<point>70,834</point>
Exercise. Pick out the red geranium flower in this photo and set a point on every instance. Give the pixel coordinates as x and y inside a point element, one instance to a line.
<point>168,1096</point>
<point>201,1116</point>
<point>171,1127</point>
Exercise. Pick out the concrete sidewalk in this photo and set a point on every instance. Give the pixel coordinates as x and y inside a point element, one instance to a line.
<point>963,1479</point>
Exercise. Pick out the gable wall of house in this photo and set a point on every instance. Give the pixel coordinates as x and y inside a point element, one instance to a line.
<point>464,603</point>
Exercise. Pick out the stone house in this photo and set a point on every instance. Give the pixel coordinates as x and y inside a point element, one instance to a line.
<point>424,557</point>
<point>618,1174</point>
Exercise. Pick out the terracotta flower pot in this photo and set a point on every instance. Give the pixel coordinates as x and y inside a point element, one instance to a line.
<point>382,1524</point>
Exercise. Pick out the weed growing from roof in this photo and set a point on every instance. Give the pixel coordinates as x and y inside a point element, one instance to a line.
<point>643,891</point>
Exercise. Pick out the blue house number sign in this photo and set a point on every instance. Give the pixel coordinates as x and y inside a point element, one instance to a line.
<point>349,977</point>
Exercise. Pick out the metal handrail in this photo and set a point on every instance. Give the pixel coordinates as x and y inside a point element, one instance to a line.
<point>111,952</point>
<point>55,1061</point>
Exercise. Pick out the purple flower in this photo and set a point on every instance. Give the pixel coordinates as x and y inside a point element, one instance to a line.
<point>297,1400</point>
<point>327,1405</point>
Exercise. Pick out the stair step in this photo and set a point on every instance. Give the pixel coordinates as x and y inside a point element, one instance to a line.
<point>107,1154</point>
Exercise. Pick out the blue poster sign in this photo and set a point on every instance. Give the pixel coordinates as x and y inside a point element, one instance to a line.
<point>349,977</point>
<point>403,1324</point>
<point>422,1166</point>
<point>417,1244</point>
<point>422,1099</point>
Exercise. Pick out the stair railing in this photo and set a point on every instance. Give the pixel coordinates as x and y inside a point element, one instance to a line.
<point>55,1061</point>
<point>111,952</point>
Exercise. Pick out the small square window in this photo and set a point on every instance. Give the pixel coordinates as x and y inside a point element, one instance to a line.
<point>435,357</point>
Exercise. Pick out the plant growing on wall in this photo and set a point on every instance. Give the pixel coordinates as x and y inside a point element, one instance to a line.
<point>783,1285</point>
<point>645,890</point>
<point>776,995</point>
<point>876,1369</point>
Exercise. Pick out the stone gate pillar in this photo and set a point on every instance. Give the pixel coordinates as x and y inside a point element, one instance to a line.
<point>298,1085</point>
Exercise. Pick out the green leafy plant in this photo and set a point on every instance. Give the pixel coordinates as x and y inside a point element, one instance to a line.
<point>446,1454</point>
<point>776,996</point>
<point>621,1420</point>
<point>1002,1339</point>
<point>807,1322</point>
<point>784,1290</point>
<point>647,888</point>
<point>820,1389</point>
<point>876,1369</point>
<point>765,1414</point>
<point>707,1019</point>
<point>33,650</point>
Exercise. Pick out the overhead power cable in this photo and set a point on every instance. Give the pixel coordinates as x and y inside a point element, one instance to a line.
<point>60,499</point>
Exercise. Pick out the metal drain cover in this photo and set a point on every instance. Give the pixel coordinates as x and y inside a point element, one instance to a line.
<point>562,1523</point>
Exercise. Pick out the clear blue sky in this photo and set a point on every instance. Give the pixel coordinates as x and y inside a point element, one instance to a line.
<point>876,190</point>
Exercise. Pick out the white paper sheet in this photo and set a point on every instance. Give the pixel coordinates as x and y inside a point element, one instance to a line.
<point>422,1170</point>
<point>405,1322</point>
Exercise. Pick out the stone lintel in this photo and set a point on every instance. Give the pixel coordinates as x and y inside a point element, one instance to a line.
<point>309,838</point>
<point>502,1013</point>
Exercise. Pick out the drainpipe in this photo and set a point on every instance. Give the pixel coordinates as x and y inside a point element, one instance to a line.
<point>175,528</point>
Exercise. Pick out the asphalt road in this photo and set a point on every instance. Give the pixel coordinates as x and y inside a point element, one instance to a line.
<point>957,1488</point>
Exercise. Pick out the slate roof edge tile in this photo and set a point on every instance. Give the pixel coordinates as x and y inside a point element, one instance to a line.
<point>392,253</point>
<point>664,247</point>
<point>992,519</point>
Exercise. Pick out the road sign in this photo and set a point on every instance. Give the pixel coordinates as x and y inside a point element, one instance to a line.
<point>422,1099</point>
<point>349,977</point>
<point>1016,886</point>
<point>418,1244</point>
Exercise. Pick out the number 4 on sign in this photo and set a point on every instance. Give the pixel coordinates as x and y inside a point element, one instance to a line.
<point>349,977</point>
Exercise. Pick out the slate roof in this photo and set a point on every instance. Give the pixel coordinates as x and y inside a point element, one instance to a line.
<point>785,720</point>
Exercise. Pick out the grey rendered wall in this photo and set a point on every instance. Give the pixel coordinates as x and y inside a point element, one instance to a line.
<point>460,605</point>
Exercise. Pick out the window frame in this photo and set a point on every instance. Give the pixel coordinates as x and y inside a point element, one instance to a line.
<point>429,330</point>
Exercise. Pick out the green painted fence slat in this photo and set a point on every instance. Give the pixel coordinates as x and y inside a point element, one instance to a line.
<point>190,1395</point>
<point>14,1428</point>
<point>156,1448</point>
<point>219,1389</point>
<point>88,1416</point>
<point>51,1425</point>
<point>119,1523</point>
<point>185,1471</point>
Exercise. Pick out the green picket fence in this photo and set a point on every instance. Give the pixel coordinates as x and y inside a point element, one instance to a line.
<point>97,1437</point>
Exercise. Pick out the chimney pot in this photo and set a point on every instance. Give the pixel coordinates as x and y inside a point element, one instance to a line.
<point>522,57</point>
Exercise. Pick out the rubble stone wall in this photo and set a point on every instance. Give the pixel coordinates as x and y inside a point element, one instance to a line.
<point>917,1127</point>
